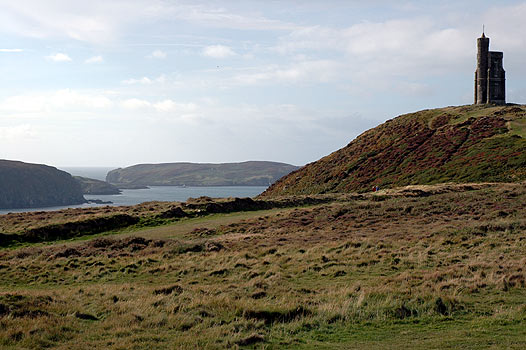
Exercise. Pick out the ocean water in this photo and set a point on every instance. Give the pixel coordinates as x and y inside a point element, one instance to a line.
<point>158,193</point>
<point>98,173</point>
<point>176,193</point>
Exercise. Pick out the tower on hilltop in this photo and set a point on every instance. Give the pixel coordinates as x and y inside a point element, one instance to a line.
<point>490,77</point>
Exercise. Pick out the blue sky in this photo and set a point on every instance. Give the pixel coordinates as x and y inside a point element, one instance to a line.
<point>121,82</point>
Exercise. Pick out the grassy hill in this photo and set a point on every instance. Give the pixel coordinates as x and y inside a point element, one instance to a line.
<point>473,143</point>
<point>254,173</point>
<point>422,267</point>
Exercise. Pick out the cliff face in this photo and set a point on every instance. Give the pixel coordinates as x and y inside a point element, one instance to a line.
<point>481,143</point>
<point>253,173</point>
<point>25,185</point>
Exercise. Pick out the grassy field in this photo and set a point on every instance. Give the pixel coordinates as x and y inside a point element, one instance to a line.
<point>423,267</point>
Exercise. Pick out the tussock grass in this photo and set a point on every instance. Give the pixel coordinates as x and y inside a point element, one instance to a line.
<point>436,270</point>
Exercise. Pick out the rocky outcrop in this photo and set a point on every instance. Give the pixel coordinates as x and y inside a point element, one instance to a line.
<point>25,185</point>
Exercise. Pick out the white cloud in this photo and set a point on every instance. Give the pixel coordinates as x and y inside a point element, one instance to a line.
<point>11,50</point>
<point>17,133</point>
<point>394,55</point>
<point>135,104</point>
<point>161,79</point>
<point>59,57</point>
<point>96,21</point>
<point>413,39</point>
<point>503,23</point>
<point>167,106</point>
<point>145,80</point>
<point>220,17</point>
<point>70,98</point>
<point>318,71</point>
<point>172,106</point>
<point>94,59</point>
<point>158,54</point>
<point>65,101</point>
<point>58,100</point>
<point>218,51</point>
<point>102,21</point>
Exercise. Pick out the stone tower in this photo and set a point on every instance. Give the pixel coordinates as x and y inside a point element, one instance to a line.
<point>490,77</point>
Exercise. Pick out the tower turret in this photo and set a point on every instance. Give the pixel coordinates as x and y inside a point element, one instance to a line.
<point>490,77</point>
<point>481,74</point>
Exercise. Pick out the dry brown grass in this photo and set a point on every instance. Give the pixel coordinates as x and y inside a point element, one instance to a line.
<point>19,222</point>
<point>346,272</point>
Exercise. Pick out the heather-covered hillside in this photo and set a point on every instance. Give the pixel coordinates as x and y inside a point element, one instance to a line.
<point>453,144</point>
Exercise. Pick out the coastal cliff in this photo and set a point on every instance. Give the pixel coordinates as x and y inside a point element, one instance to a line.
<point>26,185</point>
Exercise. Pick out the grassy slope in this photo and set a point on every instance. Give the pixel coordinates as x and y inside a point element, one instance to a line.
<point>453,144</point>
<point>430,267</point>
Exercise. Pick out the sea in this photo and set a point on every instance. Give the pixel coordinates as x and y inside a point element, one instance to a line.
<point>153,193</point>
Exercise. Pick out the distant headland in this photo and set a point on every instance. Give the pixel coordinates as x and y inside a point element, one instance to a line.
<point>251,173</point>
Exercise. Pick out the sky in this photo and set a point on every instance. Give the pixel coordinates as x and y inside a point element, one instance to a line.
<point>122,82</point>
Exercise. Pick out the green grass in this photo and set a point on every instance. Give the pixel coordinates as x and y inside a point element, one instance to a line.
<point>475,111</point>
<point>183,226</point>
<point>430,334</point>
<point>518,127</point>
